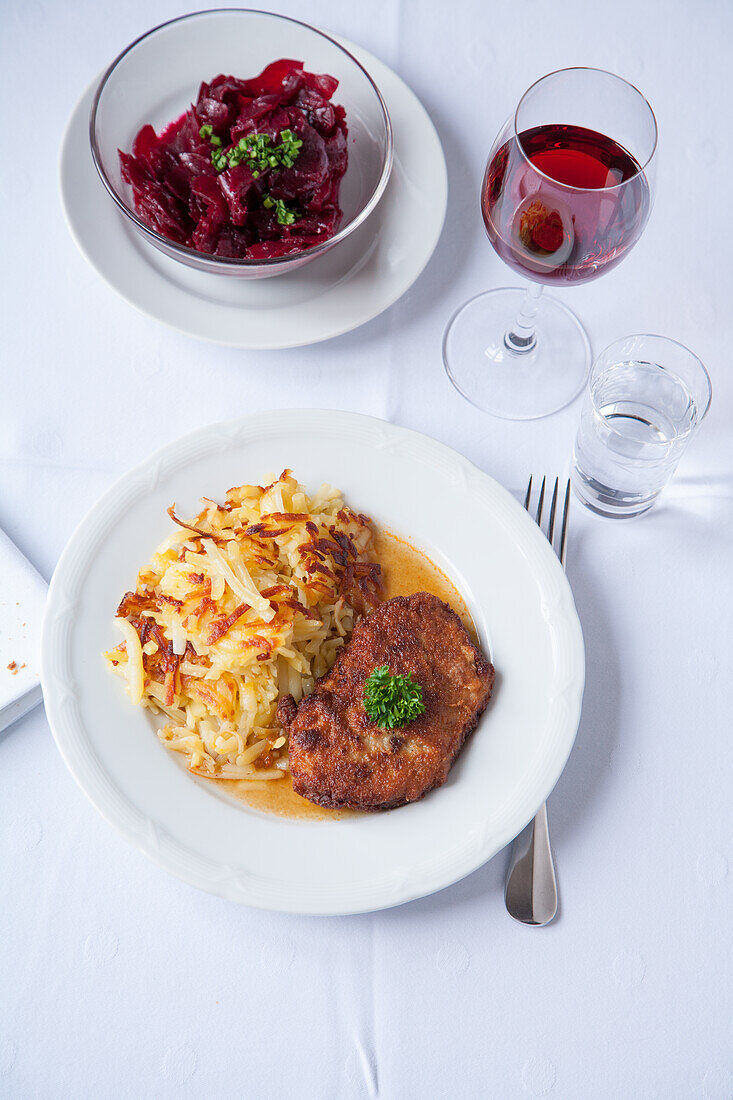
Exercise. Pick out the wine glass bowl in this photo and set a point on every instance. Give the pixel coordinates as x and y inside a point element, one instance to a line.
<point>567,192</point>
<point>562,200</point>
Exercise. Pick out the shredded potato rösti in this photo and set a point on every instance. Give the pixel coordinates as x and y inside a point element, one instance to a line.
<point>249,601</point>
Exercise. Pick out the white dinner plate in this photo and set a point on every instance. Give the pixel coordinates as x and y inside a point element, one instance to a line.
<point>473,529</point>
<point>352,283</point>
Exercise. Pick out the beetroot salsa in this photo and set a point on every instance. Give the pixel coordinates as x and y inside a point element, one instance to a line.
<point>251,171</point>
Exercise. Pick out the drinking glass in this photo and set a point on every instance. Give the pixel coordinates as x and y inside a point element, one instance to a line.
<point>567,191</point>
<point>646,398</point>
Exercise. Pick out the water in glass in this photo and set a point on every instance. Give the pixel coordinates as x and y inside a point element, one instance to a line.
<point>636,420</point>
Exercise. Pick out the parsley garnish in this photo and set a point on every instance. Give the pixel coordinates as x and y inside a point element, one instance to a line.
<point>392,701</point>
<point>284,214</point>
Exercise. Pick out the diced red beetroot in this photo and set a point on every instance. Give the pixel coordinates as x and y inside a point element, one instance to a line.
<point>187,139</point>
<point>325,196</point>
<point>237,186</point>
<point>322,83</point>
<point>270,120</point>
<point>173,175</point>
<point>270,250</point>
<point>218,104</point>
<point>178,191</point>
<point>210,112</point>
<point>228,84</point>
<point>250,113</point>
<point>134,171</point>
<point>321,225</point>
<point>291,85</point>
<point>163,213</point>
<point>265,225</point>
<point>207,188</point>
<point>274,123</point>
<point>318,111</point>
<point>196,207</point>
<point>338,154</point>
<point>271,78</point>
<point>145,144</point>
<point>309,170</point>
<point>197,164</point>
<point>172,131</point>
<point>206,235</point>
<point>234,242</point>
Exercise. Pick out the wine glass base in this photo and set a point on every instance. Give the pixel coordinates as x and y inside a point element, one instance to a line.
<point>509,384</point>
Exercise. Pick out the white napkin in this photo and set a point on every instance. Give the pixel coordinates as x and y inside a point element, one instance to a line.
<point>22,598</point>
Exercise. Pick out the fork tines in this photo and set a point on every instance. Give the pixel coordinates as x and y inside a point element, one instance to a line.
<point>550,530</point>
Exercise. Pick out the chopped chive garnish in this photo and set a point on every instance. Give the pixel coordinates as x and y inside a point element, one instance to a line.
<point>254,150</point>
<point>285,215</point>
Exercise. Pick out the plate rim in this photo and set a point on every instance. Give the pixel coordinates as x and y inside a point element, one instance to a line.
<point>78,117</point>
<point>100,788</point>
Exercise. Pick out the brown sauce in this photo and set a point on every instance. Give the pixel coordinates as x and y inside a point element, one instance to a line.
<point>276,796</point>
<point>404,570</point>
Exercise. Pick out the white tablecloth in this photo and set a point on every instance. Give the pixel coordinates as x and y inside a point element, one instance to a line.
<point>117,980</point>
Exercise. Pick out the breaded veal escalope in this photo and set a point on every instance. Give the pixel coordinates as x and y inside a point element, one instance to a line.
<point>339,758</point>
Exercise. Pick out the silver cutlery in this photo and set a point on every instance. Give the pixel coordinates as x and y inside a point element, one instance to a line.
<point>531,888</point>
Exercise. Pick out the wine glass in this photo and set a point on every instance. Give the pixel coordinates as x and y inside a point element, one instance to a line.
<point>566,194</point>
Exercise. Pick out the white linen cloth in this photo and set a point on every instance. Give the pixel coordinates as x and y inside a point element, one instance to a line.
<point>117,980</point>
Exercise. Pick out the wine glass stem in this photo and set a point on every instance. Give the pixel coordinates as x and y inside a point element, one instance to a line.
<point>522,337</point>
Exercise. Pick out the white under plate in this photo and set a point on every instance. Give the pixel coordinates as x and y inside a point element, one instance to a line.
<point>515,590</point>
<point>354,282</point>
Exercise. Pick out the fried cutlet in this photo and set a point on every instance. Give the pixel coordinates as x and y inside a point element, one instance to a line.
<point>340,758</point>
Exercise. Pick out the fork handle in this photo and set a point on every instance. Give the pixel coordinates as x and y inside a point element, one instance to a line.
<point>531,887</point>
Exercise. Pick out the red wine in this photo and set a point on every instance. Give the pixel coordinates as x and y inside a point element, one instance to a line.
<point>563,204</point>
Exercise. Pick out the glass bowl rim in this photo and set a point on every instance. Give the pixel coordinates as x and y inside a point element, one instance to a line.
<point>667,340</point>
<point>232,262</point>
<point>604,72</point>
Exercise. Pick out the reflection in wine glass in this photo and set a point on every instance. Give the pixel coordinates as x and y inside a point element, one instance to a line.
<point>563,201</point>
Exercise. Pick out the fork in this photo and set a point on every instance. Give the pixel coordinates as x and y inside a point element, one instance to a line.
<point>531,888</point>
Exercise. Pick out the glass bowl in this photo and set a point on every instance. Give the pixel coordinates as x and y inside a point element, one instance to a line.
<point>157,77</point>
